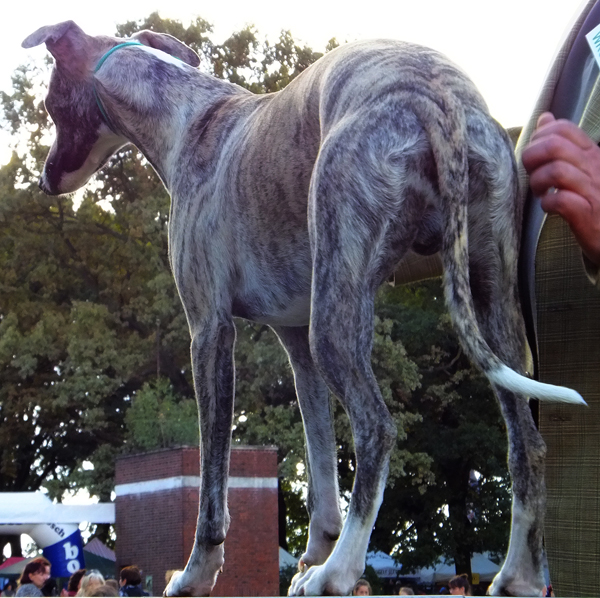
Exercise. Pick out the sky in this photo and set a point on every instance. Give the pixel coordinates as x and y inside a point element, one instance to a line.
<point>506,47</point>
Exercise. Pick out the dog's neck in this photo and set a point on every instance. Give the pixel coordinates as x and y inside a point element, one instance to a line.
<point>155,100</point>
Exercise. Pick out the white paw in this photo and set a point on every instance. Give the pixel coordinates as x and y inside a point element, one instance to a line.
<point>317,552</point>
<point>322,581</point>
<point>199,579</point>
<point>504,585</point>
<point>177,587</point>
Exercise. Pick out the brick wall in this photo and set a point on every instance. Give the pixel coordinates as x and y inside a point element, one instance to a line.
<point>157,507</point>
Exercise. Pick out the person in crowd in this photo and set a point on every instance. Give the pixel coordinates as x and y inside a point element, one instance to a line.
<point>34,576</point>
<point>9,589</point>
<point>406,591</point>
<point>131,582</point>
<point>73,584</point>
<point>113,583</point>
<point>49,589</point>
<point>89,582</point>
<point>460,586</point>
<point>362,588</point>
<point>104,590</point>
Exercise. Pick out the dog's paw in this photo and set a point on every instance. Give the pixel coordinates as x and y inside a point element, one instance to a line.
<point>177,586</point>
<point>504,585</point>
<point>321,580</point>
<point>197,580</point>
<point>183,584</point>
<point>318,552</point>
<point>296,580</point>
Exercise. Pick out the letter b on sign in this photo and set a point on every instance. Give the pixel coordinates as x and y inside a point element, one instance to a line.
<point>71,552</point>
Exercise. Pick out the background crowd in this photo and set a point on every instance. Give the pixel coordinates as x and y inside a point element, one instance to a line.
<point>36,581</point>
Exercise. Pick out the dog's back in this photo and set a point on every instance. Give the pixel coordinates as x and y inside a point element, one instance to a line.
<point>410,131</point>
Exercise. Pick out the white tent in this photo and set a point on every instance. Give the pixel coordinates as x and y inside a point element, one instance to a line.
<point>14,566</point>
<point>286,559</point>
<point>385,566</point>
<point>480,564</point>
<point>36,507</point>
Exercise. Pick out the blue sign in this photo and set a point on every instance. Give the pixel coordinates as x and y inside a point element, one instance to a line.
<point>66,556</point>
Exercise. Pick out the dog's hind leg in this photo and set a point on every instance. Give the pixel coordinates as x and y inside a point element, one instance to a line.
<point>348,235</point>
<point>341,341</point>
<point>323,492</point>
<point>522,571</point>
<point>494,225</point>
<point>213,368</point>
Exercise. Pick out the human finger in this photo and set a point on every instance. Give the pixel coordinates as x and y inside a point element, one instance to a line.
<point>565,129</point>
<point>561,175</point>
<point>545,119</point>
<point>571,206</point>
<point>549,148</point>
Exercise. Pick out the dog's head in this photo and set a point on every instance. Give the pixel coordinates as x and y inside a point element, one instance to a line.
<point>84,138</point>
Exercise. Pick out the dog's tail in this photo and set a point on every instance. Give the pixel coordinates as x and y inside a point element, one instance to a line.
<point>448,136</point>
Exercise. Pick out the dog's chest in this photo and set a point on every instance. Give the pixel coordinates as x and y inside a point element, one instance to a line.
<point>293,312</point>
<point>275,292</point>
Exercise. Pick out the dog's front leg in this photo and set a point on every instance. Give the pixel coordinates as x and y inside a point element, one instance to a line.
<point>323,491</point>
<point>213,368</point>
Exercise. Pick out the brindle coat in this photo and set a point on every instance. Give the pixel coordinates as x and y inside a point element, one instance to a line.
<point>290,209</point>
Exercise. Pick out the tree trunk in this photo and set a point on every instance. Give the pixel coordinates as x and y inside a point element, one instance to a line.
<point>460,523</point>
<point>462,560</point>
<point>282,518</point>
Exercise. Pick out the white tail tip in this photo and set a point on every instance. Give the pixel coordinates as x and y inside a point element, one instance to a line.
<point>506,378</point>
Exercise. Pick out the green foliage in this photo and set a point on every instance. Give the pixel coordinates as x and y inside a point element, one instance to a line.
<point>284,61</point>
<point>159,419</point>
<point>89,313</point>
<point>94,347</point>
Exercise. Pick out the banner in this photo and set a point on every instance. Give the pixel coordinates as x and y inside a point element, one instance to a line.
<point>66,555</point>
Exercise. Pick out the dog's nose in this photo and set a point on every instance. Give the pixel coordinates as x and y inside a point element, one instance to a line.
<point>44,186</point>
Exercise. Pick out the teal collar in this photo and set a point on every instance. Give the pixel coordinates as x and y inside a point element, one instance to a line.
<point>96,96</point>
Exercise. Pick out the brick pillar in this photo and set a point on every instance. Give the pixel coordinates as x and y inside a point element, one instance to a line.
<point>156,511</point>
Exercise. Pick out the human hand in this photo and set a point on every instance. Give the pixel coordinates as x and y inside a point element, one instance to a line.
<point>564,172</point>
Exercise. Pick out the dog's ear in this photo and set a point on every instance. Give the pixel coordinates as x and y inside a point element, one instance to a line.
<point>49,34</point>
<point>169,44</point>
<point>68,44</point>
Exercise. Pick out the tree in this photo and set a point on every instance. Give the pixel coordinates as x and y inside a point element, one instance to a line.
<point>94,347</point>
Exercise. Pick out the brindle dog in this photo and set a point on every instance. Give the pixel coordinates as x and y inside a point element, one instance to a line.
<point>290,209</point>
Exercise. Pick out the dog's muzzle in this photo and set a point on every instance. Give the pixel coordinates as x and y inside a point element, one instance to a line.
<point>43,185</point>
